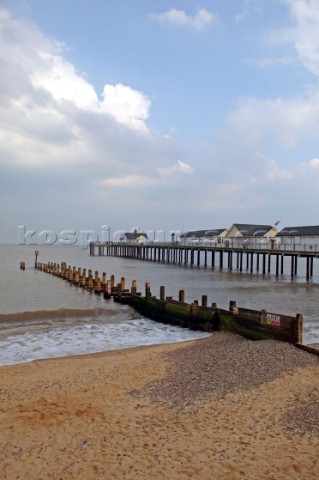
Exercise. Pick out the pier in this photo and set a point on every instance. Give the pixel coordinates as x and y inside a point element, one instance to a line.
<point>255,259</point>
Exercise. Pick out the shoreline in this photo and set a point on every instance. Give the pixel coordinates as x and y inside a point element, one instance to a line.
<point>163,412</point>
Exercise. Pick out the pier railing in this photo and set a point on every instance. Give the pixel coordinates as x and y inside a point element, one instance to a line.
<point>232,245</point>
<point>258,257</point>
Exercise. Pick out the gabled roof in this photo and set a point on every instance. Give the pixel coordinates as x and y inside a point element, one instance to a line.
<point>133,235</point>
<point>203,233</point>
<point>248,230</point>
<point>293,231</point>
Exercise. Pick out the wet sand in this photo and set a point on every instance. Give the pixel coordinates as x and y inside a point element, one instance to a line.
<point>129,415</point>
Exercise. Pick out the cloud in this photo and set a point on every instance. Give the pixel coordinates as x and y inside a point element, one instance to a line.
<point>38,84</point>
<point>303,35</point>
<point>126,105</point>
<point>311,164</point>
<point>285,122</point>
<point>59,78</point>
<point>275,173</point>
<point>200,21</point>
<point>51,115</point>
<point>140,180</point>
<point>179,167</point>
<point>132,180</point>
<point>240,17</point>
<point>249,7</point>
<point>269,128</point>
<point>271,62</point>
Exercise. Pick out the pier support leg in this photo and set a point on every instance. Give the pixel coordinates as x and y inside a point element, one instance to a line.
<point>221,257</point>
<point>277,265</point>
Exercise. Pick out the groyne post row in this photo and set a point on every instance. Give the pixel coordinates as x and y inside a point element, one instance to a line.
<point>255,261</point>
<point>253,324</point>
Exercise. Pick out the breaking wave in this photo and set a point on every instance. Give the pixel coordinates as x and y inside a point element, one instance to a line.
<point>57,314</point>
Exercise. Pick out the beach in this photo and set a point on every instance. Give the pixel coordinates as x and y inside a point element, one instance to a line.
<point>220,407</point>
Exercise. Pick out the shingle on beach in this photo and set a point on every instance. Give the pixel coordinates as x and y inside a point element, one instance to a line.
<point>222,364</point>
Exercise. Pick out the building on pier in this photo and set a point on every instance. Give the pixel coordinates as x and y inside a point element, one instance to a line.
<point>134,237</point>
<point>212,237</point>
<point>297,238</point>
<point>244,235</point>
<point>245,230</point>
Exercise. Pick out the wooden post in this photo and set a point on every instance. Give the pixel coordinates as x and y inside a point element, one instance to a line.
<point>181,296</point>
<point>108,290</point>
<point>77,278</point>
<point>98,286</point>
<point>147,290</point>
<point>133,288</point>
<point>91,283</point>
<point>298,327</point>
<point>70,277</point>
<point>232,307</point>
<point>194,307</point>
<point>162,293</point>
<point>36,253</point>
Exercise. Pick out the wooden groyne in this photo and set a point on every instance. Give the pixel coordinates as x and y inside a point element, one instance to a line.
<point>253,260</point>
<point>252,324</point>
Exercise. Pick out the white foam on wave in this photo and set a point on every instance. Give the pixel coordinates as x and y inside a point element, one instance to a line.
<point>90,338</point>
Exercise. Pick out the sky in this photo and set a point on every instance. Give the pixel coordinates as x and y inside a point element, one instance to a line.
<point>164,116</point>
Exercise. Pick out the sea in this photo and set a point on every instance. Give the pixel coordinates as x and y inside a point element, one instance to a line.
<point>42,316</point>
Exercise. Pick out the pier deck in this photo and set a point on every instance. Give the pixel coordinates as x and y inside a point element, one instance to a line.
<point>256,259</point>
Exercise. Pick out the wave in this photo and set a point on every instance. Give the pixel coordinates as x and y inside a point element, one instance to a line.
<point>60,313</point>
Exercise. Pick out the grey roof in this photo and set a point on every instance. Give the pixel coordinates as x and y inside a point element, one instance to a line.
<point>133,235</point>
<point>300,231</point>
<point>203,233</point>
<point>248,230</point>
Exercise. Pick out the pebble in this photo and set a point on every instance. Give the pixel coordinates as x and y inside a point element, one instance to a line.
<point>225,363</point>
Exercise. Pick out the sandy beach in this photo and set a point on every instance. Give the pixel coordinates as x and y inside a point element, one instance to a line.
<point>221,407</point>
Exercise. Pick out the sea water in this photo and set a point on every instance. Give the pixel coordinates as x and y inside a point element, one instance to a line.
<point>42,316</point>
